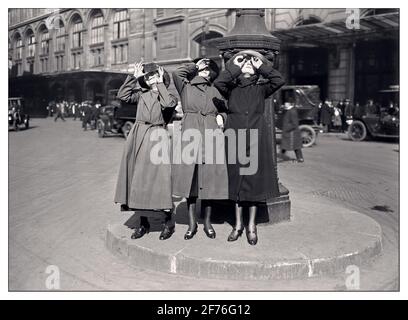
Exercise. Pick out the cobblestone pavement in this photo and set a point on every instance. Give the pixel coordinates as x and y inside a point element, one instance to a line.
<point>61,184</point>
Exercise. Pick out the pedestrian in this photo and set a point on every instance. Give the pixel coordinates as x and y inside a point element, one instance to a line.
<point>348,113</point>
<point>291,138</point>
<point>87,115</point>
<point>326,115</point>
<point>372,108</point>
<point>59,111</point>
<point>341,106</point>
<point>144,184</point>
<point>206,181</point>
<point>246,104</point>
<point>336,118</point>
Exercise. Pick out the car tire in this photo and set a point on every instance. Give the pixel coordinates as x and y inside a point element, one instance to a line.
<point>357,131</point>
<point>308,135</point>
<point>126,128</point>
<point>101,129</point>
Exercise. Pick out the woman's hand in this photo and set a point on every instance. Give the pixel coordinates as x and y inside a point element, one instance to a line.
<point>161,74</point>
<point>239,60</point>
<point>202,64</point>
<point>256,62</point>
<point>220,121</point>
<point>138,70</point>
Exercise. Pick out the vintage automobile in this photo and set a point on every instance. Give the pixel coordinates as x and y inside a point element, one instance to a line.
<point>384,124</point>
<point>16,114</point>
<point>116,118</point>
<point>306,99</point>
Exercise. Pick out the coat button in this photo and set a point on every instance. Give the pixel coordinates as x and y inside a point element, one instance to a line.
<point>246,112</point>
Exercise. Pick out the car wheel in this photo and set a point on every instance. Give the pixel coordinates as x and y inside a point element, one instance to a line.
<point>126,128</point>
<point>357,131</point>
<point>101,129</point>
<point>308,135</point>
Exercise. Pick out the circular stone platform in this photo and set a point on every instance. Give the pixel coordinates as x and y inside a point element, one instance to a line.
<point>320,239</point>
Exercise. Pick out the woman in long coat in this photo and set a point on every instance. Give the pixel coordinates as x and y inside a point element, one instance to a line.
<point>291,138</point>
<point>246,103</point>
<point>202,107</point>
<point>142,183</point>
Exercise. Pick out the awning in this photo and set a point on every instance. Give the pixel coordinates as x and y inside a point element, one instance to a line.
<point>371,27</point>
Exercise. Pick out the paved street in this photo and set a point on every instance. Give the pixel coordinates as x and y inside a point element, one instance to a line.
<point>61,185</point>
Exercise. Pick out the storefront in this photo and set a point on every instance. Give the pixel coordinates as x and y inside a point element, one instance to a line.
<point>343,62</point>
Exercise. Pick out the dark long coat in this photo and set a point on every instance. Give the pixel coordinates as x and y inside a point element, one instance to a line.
<point>291,138</point>
<point>326,114</point>
<point>143,184</point>
<point>246,104</point>
<point>199,99</point>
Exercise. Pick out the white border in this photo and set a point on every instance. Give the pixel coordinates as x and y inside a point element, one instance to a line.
<point>4,294</point>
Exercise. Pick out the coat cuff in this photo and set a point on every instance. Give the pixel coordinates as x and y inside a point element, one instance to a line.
<point>266,69</point>
<point>233,69</point>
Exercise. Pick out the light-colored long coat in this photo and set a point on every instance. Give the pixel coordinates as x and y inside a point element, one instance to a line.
<point>198,100</point>
<point>142,184</point>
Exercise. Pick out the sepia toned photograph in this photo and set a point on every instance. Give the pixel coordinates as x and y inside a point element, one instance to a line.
<point>215,149</point>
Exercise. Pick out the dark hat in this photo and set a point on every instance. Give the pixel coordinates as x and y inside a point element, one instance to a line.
<point>153,67</point>
<point>214,69</point>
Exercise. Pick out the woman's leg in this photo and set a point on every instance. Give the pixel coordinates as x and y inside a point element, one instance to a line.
<point>168,226</point>
<point>142,227</point>
<point>208,229</point>
<point>239,226</point>
<point>252,235</point>
<point>192,221</point>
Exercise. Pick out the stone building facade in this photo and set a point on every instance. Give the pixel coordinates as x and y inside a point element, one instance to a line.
<point>79,54</point>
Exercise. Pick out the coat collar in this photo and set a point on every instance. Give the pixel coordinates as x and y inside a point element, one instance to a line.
<point>199,80</point>
<point>245,82</point>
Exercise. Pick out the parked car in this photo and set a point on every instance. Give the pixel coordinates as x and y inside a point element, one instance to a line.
<point>116,118</point>
<point>385,124</point>
<point>16,114</point>
<point>306,99</point>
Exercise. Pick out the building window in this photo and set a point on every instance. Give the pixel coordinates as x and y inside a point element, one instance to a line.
<point>120,53</point>
<point>97,31</point>
<point>60,35</point>
<point>44,64</point>
<point>45,43</point>
<point>19,49</point>
<point>97,55</point>
<point>31,46</point>
<point>60,62</point>
<point>120,24</point>
<point>77,35</point>
<point>76,58</point>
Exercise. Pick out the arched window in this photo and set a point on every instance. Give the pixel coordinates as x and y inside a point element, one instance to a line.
<point>30,44</point>
<point>97,29</point>
<point>120,34</point>
<point>19,48</point>
<point>77,33</point>
<point>45,42</point>
<point>77,30</point>
<point>198,48</point>
<point>120,24</point>
<point>59,51</point>
<point>97,39</point>
<point>60,36</point>
<point>45,50</point>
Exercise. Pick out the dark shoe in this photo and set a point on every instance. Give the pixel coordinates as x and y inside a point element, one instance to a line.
<point>190,233</point>
<point>300,160</point>
<point>252,237</point>
<point>235,234</point>
<point>140,232</point>
<point>166,232</point>
<point>210,232</point>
